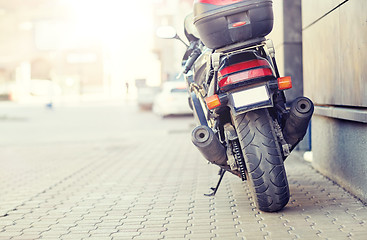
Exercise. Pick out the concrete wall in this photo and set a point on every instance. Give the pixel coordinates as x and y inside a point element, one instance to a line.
<point>287,38</point>
<point>336,51</point>
<point>335,77</point>
<point>339,150</point>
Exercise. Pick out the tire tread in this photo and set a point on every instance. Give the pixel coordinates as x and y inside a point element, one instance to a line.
<point>263,160</point>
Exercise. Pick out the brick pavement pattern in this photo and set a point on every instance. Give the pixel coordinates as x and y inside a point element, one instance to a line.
<point>152,188</point>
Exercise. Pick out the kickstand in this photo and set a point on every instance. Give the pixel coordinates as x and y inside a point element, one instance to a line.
<point>221,173</point>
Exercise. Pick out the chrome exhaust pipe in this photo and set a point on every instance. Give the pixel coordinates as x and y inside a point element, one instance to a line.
<point>296,125</point>
<point>209,145</point>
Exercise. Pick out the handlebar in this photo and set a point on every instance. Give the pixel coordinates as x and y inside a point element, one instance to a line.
<point>195,52</point>
<point>193,56</point>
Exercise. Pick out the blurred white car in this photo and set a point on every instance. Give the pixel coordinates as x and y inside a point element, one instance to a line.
<point>146,97</point>
<point>172,100</point>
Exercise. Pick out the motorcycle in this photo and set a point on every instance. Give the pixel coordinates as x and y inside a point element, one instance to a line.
<point>245,125</point>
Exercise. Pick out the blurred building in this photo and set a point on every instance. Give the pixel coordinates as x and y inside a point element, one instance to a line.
<point>36,44</point>
<point>170,51</point>
<point>79,46</point>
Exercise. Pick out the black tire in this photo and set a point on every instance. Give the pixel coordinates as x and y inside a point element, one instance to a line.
<point>266,173</point>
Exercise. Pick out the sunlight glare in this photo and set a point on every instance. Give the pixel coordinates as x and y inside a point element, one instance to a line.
<point>123,29</point>
<point>109,20</point>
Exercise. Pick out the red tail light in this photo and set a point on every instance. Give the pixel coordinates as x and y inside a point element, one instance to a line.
<point>238,24</point>
<point>218,2</point>
<point>244,71</point>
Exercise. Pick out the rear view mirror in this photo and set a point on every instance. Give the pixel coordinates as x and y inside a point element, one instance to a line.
<point>166,32</point>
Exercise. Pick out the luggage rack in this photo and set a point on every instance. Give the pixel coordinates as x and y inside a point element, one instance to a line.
<point>241,46</point>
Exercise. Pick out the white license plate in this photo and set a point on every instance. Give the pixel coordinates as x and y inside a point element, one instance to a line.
<point>250,97</point>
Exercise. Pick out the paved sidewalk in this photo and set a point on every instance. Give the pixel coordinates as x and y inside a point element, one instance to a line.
<point>152,188</point>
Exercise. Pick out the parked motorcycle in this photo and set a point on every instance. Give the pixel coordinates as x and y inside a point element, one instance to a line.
<point>245,125</point>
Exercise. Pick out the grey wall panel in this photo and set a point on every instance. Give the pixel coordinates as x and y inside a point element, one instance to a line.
<point>339,150</point>
<point>335,53</point>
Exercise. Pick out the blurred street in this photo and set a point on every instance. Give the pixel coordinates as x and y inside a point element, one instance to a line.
<point>107,170</point>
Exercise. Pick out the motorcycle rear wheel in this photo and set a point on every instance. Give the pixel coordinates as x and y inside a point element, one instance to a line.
<point>266,173</point>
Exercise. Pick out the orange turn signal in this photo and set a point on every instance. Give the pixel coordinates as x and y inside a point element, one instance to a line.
<point>213,101</point>
<point>284,83</point>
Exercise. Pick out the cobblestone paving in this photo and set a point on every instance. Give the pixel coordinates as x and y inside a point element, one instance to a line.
<point>152,188</point>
